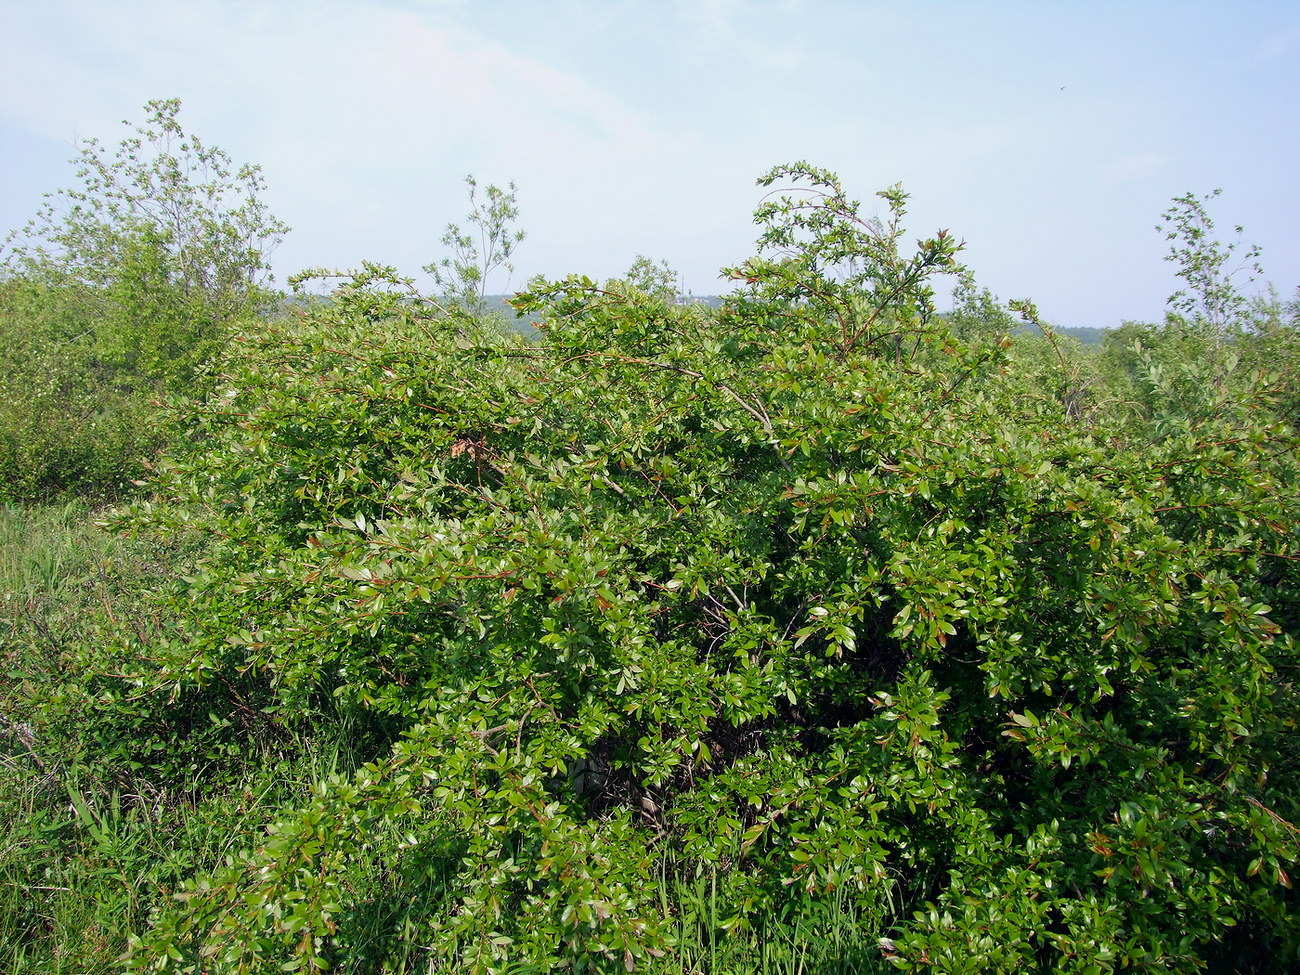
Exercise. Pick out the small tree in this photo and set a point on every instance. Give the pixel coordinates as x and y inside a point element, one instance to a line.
<point>485,245</point>
<point>1220,351</point>
<point>127,283</point>
<point>659,280</point>
<point>1210,299</point>
<point>163,187</point>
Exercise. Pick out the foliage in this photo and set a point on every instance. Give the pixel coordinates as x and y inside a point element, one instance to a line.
<point>827,260</point>
<point>483,246</point>
<point>121,290</point>
<point>1219,354</point>
<point>977,315</point>
<point>62,428</point>
<point>197,215</point>
<point>658,280</point>
<point>67,900</point>
<point>1209,301</point>
<point>112,797</point>
<point>808,603</point>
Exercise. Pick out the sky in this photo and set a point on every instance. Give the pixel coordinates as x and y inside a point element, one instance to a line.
<point>1048,135</point>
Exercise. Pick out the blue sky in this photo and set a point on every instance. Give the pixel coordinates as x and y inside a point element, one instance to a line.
<point>1049,135</point>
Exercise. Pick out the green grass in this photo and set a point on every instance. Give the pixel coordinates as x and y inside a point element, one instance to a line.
<point>81,855</point>
<point>827,934</point>
<point>62,582</point>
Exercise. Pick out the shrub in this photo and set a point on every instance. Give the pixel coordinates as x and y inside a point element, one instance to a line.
<point>809,597</point>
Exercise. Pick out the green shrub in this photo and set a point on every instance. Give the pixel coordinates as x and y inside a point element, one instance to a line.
<point>65,428</point>
<point>809,598</point>
<point>112,793</point>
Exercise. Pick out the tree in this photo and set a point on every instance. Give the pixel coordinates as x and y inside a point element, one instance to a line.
<point>1220,351</point>
<point>977,315</point>
<point>127,285</point>
<point>657,280</point>
<point>167,198</point>
<point>1210,300</point>
<point>485,245</point>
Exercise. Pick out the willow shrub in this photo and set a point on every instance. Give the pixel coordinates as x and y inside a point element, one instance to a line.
<point>809,594</point>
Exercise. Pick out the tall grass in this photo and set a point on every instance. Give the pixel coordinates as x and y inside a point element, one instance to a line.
<point>826,934</point>
<point>84,853</point>
<point>69,859</point>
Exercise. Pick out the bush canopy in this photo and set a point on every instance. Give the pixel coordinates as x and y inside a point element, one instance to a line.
<point>819,596</point>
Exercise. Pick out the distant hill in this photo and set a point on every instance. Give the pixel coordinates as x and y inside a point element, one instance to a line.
<point>1092,337</point>
<point>1087,336</point>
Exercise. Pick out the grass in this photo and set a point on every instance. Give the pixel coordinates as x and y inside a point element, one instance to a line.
<point>831,934</point>
<point>63,582</point>
<point>83,851</point>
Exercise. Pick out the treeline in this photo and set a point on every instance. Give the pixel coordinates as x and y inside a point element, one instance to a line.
<point>820,630</point>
